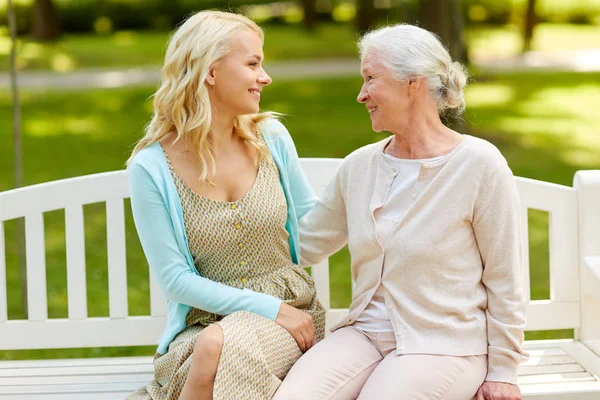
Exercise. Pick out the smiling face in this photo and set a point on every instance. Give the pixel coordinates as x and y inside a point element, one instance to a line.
<point>386,97</point>
<point>236,83</point>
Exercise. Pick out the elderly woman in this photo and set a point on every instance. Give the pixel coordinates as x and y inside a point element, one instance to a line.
<point>431,218</point>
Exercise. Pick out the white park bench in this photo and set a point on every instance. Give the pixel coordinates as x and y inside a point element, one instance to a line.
<point>558,369</point>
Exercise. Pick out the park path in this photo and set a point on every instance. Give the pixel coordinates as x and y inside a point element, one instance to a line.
<point>571,60</point>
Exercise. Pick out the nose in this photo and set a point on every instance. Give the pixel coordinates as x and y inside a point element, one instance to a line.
<point>264,78</point>
<point>362,95</point>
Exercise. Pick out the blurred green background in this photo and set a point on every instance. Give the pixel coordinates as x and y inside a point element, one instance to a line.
<point>534,93</point>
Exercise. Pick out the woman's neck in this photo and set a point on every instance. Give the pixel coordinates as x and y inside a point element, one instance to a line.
<point>424,138</point>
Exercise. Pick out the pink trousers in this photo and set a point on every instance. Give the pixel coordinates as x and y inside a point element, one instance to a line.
<point>352,364</point>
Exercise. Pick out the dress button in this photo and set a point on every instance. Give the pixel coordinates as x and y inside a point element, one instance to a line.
<point>244,280</point>
<point>425,165</point>
<point>390,308</point>
<point>233,206</point>
<point>414,196</point>
<point>241,245</point>
<point>238,226</point>
<point>242,263</point>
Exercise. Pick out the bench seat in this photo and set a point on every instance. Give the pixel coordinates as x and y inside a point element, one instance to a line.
<point>558,369</point>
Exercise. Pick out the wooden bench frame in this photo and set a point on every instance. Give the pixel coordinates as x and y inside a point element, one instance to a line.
<point>558,369</point>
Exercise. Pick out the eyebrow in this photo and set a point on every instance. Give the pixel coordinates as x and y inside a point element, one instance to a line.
<point>259,58</point>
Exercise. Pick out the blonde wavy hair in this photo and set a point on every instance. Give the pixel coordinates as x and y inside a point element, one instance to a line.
<point>182,104</point>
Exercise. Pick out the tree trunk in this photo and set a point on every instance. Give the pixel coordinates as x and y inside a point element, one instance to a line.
<point>444,17</point>
<point>458,44</point>
<point>310,14</point>
<point>530,22</point>
<point>46,24</point>
<point>433,16</point>
<point>18,153</point>
<point>365,15</point>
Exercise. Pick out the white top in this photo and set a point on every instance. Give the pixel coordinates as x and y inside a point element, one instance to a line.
<point>375,318</point>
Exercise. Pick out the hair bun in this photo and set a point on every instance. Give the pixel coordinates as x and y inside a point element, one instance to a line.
<point>453,95</point>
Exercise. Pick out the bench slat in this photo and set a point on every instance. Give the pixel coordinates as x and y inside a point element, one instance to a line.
<point>117,263</point>
<point>105,387</point>
<point>556,378</point>
<point>115,395</point>
<point>320,274</point>
<point>75,362</point>
<point>69,379</point>
<point>57,195</point>
<point>548,314</point>
<point>523,212</point>
<point>74,371</point>
<point>561,204</point>
<point>564,251</point>
<point>3,287</point>
<point>537,352</point>
<point>76,280</point>
<point>549,360</point>
<point>62,333</point>
<point>158,302</point>
<point>37,299</point>
<point>549,369</point>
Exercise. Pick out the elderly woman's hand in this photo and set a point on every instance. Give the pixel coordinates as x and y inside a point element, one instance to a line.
<point>498,391</point>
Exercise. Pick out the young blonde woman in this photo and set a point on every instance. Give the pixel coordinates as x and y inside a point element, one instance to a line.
<point>216,193</point>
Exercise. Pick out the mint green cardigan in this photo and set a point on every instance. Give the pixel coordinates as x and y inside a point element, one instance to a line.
<point>159,222</point>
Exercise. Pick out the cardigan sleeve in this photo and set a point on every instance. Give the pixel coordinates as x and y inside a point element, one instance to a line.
<point>496,224</point>
<point>324,230</point>
<point>175,276</point>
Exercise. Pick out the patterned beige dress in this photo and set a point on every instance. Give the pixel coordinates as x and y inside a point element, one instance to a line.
<point>243,244</point>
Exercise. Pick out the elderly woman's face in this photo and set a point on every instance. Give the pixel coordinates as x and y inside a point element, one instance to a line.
<point>385,97</point>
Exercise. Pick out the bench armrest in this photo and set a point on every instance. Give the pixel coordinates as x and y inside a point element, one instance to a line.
<point>591,277</point>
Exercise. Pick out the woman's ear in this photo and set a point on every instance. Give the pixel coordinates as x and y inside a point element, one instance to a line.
<point>211,77</point>
<point>414,84</point>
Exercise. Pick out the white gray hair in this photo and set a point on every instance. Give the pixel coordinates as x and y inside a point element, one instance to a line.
<point>409,51</point>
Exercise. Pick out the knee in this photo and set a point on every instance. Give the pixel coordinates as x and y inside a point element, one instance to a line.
<point>209,343</point>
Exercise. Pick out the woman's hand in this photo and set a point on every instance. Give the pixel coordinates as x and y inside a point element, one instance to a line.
<point>498,391</point>
<point>299,324</point>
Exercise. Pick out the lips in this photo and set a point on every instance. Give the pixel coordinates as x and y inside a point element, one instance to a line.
<point>255,92</point>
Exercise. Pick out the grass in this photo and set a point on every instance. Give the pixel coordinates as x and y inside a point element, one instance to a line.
<point>545,124</point>
<point>129,49</point>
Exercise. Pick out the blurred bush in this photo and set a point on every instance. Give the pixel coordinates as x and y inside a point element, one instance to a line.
<point>108,15</point>
<point>496,12</point>
<point>88,15</point>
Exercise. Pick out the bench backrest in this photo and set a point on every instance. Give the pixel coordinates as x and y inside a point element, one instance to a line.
<point>560,311</point>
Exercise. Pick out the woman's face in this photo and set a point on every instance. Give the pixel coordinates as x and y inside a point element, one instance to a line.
<point>386,97</point>
<point>236,83</point>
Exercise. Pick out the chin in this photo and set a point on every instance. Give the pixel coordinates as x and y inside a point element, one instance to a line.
<point>376,128</point>
<point>249,110</point>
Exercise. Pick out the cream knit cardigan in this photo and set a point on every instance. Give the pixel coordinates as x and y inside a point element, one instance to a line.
<point>453,266</point>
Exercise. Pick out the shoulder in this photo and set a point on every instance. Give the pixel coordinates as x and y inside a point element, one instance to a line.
<point>146,165</point>
<point>483,154</point>
<point>147,157</point>
<point>363,155</point>
<point>278,139</point>
<point>276,134</point>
